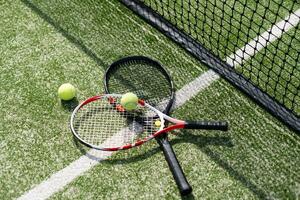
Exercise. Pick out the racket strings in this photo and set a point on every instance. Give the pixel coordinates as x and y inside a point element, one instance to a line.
<point>145,79</point>
<point>100,124</point>
<point>96,124</point>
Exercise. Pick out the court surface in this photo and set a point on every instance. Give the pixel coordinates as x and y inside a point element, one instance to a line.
<point>46,43</point>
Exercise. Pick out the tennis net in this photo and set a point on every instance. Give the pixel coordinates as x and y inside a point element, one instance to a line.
<point>255,45</point>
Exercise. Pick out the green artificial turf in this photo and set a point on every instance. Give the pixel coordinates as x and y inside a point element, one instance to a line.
<point>256,159</point>
<point>46,43</point>
<point>38,54</point>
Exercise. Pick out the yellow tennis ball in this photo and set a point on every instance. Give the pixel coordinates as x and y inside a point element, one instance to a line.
<point>157,123</point>
<point>129,101</point>
<point>66,91</point>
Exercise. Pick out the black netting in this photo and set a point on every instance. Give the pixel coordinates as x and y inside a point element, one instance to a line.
<point>253,44</point>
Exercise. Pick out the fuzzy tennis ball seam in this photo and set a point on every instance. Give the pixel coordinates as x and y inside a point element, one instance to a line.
<point>129,101</point>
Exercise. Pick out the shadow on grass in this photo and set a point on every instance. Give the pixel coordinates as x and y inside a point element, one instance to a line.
<point>188,197</point>
<point>134,155</point>
<point>64,32</point>
<point>204,142</point>
<point>69,105</point>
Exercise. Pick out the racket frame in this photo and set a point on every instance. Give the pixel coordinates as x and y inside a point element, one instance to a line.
<point>143,59</point>
<point>169,154</point>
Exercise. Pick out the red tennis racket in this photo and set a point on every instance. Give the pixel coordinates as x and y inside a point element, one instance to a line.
<point>102,123</point>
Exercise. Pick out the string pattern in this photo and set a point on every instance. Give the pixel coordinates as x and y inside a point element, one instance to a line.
<point>102,124</point>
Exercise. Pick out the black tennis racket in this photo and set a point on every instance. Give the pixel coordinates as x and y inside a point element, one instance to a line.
<point>151,82</point>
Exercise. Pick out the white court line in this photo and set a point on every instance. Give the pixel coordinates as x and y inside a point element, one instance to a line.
<point>264,39</point>
<point>193,88</point>
<point>63,177</point>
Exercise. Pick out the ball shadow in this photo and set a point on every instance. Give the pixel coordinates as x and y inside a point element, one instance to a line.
<point>69,105</point>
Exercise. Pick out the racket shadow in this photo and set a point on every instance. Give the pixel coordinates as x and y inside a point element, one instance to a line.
<point>188,197</point>
<point>204,142</point>
<point>136,155</point>
<point>187,136</point>
<point>129,158</point>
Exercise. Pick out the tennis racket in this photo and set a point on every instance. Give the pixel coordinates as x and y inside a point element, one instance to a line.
<point>142,75</point>
<point>102,123</point>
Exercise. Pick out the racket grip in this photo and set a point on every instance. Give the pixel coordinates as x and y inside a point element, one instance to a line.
<point>180,179</point>
<point>207,125</point>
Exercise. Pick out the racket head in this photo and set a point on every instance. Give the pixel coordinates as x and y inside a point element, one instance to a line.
<point>143,76</point>
<point>100,122</point>
<point>141,82</point>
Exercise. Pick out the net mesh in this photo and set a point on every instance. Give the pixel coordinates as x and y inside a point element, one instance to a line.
<point>257,42</point>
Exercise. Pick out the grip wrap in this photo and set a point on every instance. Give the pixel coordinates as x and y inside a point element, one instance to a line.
<point>207,125</point>
<point>182,183</point>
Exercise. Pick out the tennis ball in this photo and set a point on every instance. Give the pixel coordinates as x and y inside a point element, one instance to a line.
<point>129,101</point>
<point>157,123</point>
<point>66,91</point>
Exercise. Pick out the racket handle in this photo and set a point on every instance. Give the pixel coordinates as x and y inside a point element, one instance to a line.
<point>180,179</point>
<point>207,125</point>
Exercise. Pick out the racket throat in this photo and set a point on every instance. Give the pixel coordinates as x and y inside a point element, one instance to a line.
<point>174,127</point>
